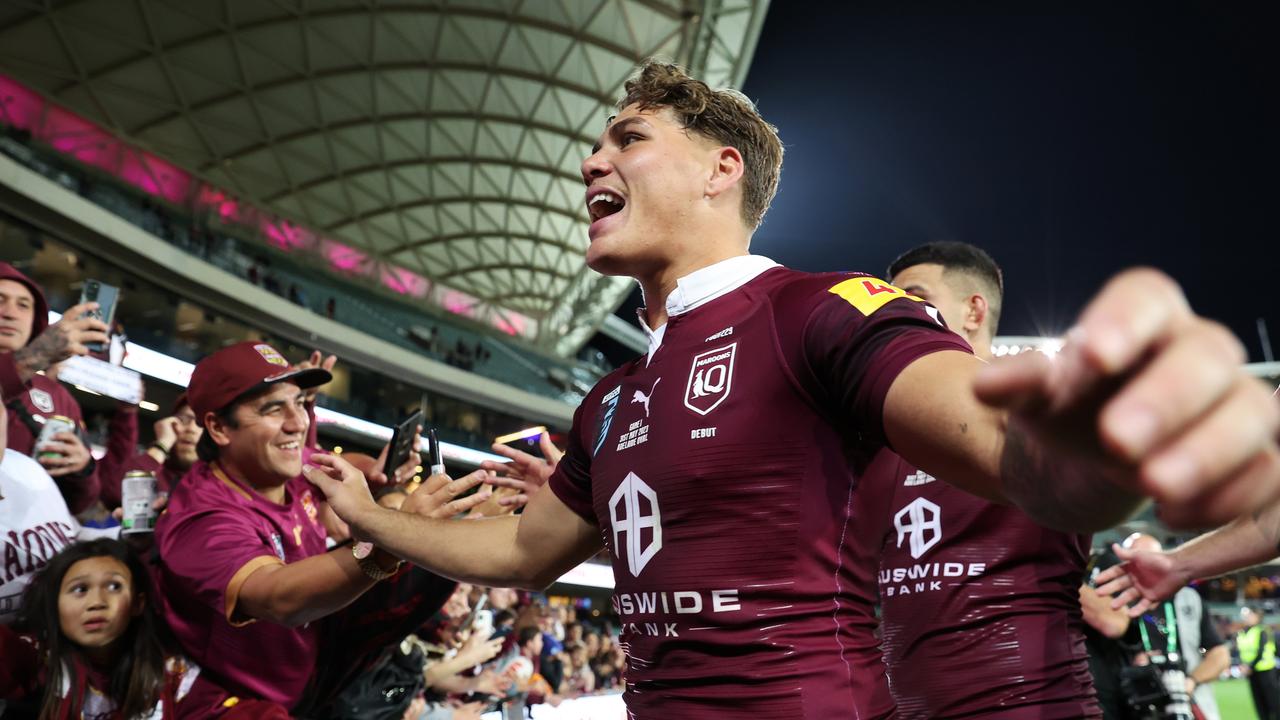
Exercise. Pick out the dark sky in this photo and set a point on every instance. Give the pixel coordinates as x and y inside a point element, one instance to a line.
<point>1069,144</point>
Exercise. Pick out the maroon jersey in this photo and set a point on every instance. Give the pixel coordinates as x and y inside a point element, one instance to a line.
<point>216,532</point>
<point>723,471</point>
<point>981,611</point>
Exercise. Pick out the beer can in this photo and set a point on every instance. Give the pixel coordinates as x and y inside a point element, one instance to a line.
<point>53,425</point>
<point>137,494</point>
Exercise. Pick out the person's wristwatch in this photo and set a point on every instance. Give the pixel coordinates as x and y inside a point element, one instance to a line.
<point>367,561</point>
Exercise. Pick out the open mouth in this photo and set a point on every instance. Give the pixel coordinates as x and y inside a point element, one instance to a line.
<point>603,203</point>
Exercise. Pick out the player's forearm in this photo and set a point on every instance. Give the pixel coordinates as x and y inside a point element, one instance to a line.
<point>1059,493</point>
<point>1242,543</point>
<point>304,591</point>
<point>481,551</point>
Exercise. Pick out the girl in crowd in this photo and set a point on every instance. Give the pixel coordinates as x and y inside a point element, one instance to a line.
<point>92,645</point>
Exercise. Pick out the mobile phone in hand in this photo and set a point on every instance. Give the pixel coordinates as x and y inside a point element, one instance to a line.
<point>106,296</point>
<point>402,442</point>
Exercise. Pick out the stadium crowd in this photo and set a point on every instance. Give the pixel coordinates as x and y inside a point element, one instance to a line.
<point>279,579</point>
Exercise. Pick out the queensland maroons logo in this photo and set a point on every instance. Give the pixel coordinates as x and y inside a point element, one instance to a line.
<point>710,379</point>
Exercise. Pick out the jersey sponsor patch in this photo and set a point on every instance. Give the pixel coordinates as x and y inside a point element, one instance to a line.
<point>604,418</point>
<point>869,294</point>
<point>710,379</point>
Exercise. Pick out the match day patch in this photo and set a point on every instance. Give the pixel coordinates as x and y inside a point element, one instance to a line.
<point>869,294</point>
<point>271,355</point>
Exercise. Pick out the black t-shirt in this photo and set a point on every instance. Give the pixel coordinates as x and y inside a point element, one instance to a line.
<point>1107,657</point>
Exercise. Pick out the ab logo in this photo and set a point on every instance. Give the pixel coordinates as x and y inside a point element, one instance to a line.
<point>710,379</point>
<point>923,521</point>
<point>633,509</point>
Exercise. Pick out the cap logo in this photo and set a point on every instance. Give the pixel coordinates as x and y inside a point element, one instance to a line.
<point>270,354</point>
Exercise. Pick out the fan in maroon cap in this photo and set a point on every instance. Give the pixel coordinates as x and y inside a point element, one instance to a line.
<point>243,562</point>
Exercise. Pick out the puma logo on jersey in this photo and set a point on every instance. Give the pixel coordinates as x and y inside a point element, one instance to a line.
<point>919,477</point>
<point>723,333</point>
<point>639,397</point>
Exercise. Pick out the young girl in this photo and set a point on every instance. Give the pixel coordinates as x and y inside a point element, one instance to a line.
<point>91,645</point>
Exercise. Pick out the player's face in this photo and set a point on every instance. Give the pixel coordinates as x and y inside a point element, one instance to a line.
<point>96,602</point>
<point>17,312</point>
<point>925,282</point>
<point>644,180</point>
<point>267,446</point>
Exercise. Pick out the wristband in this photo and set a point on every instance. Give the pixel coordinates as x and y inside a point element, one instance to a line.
<point>157,446</point>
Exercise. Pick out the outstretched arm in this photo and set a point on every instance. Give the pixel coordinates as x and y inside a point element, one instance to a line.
<point>529,550</point>
<point>1146,578</point>
<point>1145,399</point>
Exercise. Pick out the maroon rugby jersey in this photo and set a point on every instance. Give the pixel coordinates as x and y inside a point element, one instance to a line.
<point>723,475</point>
<point>981,611</point>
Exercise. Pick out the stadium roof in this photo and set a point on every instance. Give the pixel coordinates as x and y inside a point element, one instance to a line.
<point>437,138</point>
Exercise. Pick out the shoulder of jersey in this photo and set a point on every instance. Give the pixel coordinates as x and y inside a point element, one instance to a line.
<point>867,293</point>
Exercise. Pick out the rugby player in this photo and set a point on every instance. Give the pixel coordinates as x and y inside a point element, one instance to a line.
<point>721,469</point>
<point>964,577</point>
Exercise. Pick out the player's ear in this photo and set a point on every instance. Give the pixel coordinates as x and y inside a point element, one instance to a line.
<point>977,312</point>
<point>727,168</point>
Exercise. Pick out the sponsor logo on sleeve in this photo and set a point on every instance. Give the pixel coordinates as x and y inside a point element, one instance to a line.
<point>869,294</point>
<point>710,379</point>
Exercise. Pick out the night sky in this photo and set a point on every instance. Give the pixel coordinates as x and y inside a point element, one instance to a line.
<point>1069,144</point>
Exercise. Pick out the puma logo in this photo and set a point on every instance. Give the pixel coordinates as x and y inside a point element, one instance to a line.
<point>639,397</point>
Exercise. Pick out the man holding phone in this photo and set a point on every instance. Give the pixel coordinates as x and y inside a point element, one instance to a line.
<point>29,345</point>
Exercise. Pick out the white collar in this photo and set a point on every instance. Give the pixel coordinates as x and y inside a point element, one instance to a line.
<point>704,285</point>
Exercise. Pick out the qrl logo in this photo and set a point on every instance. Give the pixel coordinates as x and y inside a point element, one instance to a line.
<point>923,521</point>
<point>633,509</point>
<point>710,379</point>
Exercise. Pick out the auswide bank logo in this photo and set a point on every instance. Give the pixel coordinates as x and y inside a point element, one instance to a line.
<point>921,521</point>
<point>634,513</point>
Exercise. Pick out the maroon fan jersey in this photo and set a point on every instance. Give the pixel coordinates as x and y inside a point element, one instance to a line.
<point>723,472</point>
<point>981,611</point>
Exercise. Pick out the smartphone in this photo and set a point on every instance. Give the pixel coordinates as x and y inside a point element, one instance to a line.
<point>402,442</point>
<point>106,296</point>
<point>480,619</point>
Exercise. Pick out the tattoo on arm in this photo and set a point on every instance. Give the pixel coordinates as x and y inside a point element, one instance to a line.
<point>49,347</point>
<point>964,428</point>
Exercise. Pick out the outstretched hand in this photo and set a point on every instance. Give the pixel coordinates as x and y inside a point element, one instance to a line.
<point>1152,397</point>
<point>442,497</point>
<point>344,487</point>
<point>527,474</point>
<point>1142,580</point>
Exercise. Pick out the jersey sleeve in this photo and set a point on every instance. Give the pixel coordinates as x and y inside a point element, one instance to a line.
<point>859,336</point>
<point>211,553</point>
<point>571,481</point>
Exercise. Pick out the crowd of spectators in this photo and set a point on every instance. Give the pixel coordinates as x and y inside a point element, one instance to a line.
<point>249,599</point>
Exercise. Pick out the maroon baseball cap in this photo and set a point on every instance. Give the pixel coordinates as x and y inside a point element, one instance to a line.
<point>235,370</point>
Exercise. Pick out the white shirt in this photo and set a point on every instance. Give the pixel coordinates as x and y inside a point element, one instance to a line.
<point>702,286</point>
<point>34,525</point>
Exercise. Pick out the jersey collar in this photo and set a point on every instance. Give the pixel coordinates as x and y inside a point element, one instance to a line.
<point>704,285</point>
